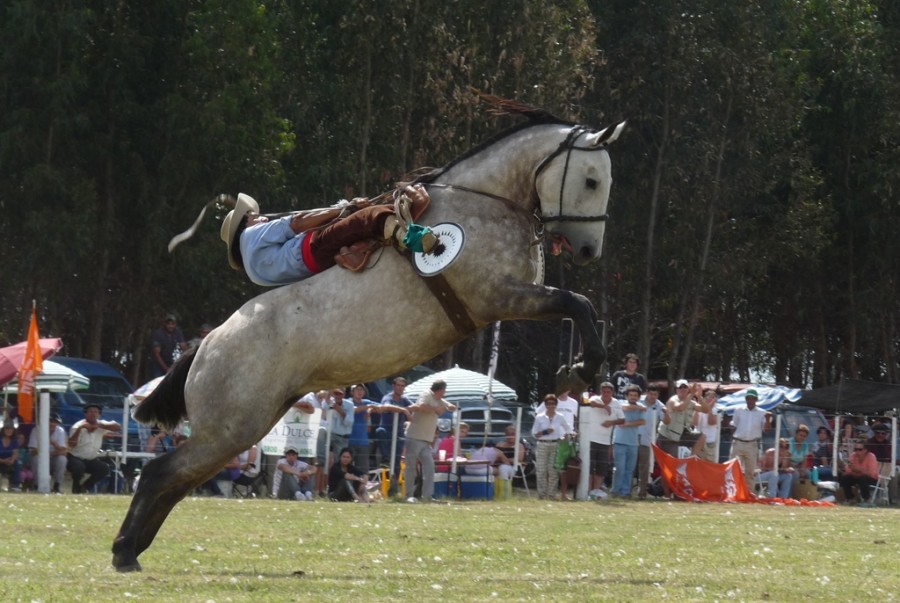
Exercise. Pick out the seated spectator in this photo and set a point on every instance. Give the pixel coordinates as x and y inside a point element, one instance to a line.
<point>823,453</point>
<point>497,464</point>
<point>778,482</point>
<point>248,463</point>
<point>294,479</point>
<point>159,442</point>
<point>58,451</point>
<point>509,446</point>
<point>85,443</point>
<point>229,473</point>
<point>799,451</point>
<point>861,470</point>
<point>448,445</point>
<point>879,444</point>
<point>9,456</point>
<point>346,483</point>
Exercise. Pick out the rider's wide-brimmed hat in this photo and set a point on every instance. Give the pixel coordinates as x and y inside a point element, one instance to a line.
<point>244,205</point>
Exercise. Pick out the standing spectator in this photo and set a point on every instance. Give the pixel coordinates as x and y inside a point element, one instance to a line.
<point>549,427</point>
<point>748,424</point>
<point>346,483</point>
<point>605,412</point>
<point>706,420</point>
<point>567,407</point>
<point>861,471</point>
<point>675,429</point>
<point>166,345</point>
<point>420,435</point>
<point>647,437</point>
<point>359,433</point>
<point>393,404</point>
<point>293,479</point>
<point>9,455</point>
<point>777,480</point>
<point>625,442</point>
<point>879,444</point>
<point>340,421</point>
<point>312,403</point>
<point>58,450</point>
<point>85,442</point>
<point>628,375</point>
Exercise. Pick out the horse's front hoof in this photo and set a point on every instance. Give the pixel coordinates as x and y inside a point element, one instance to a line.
<point>577,382</point>
<point>124,559</point>
<point>563,383</point>
<point>130,567</point>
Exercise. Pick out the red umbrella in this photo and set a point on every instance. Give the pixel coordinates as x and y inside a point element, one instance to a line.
<point>11,357</point>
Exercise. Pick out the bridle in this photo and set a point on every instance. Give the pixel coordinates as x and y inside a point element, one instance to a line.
<point>566,146</point>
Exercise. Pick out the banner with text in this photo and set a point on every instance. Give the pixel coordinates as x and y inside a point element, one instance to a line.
<point>296,428</point>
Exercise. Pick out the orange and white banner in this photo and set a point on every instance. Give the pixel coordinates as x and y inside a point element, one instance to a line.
<point>32,366</point>
<point>697,480</point>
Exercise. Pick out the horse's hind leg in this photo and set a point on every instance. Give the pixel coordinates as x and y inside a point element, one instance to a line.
<point>164,481</point>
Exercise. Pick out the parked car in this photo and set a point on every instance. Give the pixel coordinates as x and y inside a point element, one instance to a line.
<point>108,388</point>
<point>482,419</point>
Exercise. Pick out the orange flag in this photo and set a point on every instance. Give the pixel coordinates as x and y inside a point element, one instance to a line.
<point>32,366</point>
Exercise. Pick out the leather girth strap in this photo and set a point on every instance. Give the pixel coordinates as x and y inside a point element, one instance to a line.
<point>450,302</point>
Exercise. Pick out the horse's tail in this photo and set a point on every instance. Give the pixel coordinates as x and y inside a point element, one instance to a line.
<point>165,406</point>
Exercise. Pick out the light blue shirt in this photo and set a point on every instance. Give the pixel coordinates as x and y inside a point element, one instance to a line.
<point>272,253</point>
<point>628,435</point>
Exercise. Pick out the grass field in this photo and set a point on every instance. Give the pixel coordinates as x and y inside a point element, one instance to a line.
<point>57,548</point>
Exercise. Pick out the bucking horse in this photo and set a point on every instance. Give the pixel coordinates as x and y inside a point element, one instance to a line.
<point>543,181</point>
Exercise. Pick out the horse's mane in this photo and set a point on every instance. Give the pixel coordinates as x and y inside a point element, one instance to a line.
<point>501,107</point>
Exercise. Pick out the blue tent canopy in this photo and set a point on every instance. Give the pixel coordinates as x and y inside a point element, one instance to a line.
<point>769,398</point>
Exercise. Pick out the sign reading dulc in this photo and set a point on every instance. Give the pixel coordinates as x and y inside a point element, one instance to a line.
<point>296,428</point>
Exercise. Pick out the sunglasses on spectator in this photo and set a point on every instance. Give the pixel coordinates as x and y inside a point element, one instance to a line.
<point>858,448</point>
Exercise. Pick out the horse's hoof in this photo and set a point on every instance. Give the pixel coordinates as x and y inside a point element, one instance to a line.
<point>132,567</point>
<point>562,380</point>
<point>577,383</point>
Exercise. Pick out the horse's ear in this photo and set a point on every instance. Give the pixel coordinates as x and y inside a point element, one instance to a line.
<point>605,136</point>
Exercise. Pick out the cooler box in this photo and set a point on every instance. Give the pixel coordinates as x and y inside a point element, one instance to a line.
<point>477,486</point>
<point>444,485</point>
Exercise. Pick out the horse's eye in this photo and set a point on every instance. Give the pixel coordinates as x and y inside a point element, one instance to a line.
<point>591,183</point>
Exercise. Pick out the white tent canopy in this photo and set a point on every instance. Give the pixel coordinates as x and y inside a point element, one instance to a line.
<point>462,384</point>
<point>55,378</point>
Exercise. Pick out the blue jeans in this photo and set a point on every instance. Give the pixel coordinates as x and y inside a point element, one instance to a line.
<point>625,458</point>
<point>778,484</point>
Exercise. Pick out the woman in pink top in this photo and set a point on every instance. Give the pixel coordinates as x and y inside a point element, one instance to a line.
<point>861,471</point>
<point>448,445</point>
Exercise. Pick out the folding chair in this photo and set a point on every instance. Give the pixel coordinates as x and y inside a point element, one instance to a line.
<point>880,494</point>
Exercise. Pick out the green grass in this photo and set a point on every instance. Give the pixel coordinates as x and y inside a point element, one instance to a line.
<point>57,548</point>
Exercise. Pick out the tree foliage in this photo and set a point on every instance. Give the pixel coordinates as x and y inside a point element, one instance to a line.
<point>754,205</point>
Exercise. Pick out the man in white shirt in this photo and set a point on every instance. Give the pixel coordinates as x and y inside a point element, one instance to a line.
<point>748,424</point>
<point>605,413</point>
<point>58,450</point>
<point>85,442</point>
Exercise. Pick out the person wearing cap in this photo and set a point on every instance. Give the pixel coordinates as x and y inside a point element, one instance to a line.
<point>59,448</point>
<point>166,345</point>
<point>879,444</point>
<point>85,442</point>
<point>394,406</point>
<point>285,250</point>
<point>748,423</point>
<point>675,428</point>
<point>293,479</point>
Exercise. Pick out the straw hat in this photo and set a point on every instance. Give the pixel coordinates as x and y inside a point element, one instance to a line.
<point>244,205</point>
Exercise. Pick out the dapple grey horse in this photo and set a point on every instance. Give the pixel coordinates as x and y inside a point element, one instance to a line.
<point>543,179</point>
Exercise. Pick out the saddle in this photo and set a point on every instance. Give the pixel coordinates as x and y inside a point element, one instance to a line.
<point>355,257</point>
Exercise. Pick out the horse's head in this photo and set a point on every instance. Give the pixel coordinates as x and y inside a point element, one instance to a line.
<point>573,189</point>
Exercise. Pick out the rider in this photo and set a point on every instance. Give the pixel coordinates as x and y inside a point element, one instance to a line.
<point>279,252</point>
